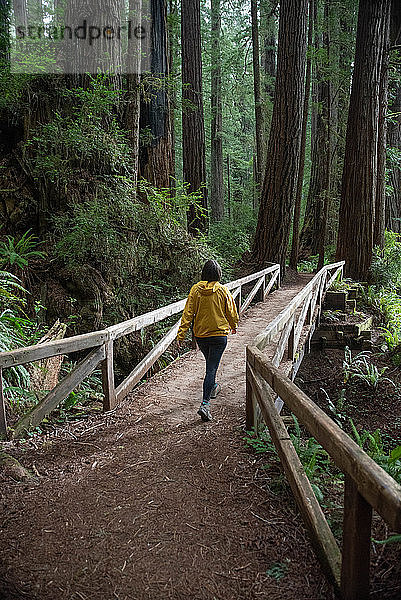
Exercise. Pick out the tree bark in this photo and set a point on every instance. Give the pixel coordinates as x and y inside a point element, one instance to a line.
<point>193,129</point>
<point>393,208</point>
<point>171,51</point>
<point>328,149</point>
<point>309,239</point>
<point>132,90</point>
<point>269,44</point>
<point>156,158</point>
<point>359,182</point>
<point>216,140</point>
<point>4,35</point>
<point>257,94</point>
<point>298,198</point>
<point>380,208</point>
<point>278,195</point>
<point>20,12</point>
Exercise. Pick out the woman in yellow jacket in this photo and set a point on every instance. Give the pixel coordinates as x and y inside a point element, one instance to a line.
<point>211,310</point>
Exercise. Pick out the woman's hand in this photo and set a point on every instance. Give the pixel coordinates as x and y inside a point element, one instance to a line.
<point>233,331</point>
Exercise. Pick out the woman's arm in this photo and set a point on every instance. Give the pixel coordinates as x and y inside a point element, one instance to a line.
<point>187,315</point>
<point>231,312</point>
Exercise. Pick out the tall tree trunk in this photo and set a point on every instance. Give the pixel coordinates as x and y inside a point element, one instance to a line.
<point>268,61</point>
<point>171,51</point>
<point>156,160</point>
<point>278,196</point>
<point>193,129</point>
<point>132,87</point>
<point>268,28</point>
<point>380,207</point>
<point>309,242</point>
<point>358,194</point>
<point>300,180</point>
<point>257,94</point>
<point>4,34</point>
<point>328,149</point>
<point>216,141</point>
<point>393,208</point>
<point>20,12</point>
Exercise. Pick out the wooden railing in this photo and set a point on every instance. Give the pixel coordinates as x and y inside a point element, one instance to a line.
<point>367,486</point>
<point>102,342</point>
<point>287,337</point>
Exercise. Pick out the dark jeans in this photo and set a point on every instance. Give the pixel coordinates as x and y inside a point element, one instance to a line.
<point>212,349</point>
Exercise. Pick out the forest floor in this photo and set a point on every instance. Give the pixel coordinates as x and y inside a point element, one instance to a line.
<point>148,502</point>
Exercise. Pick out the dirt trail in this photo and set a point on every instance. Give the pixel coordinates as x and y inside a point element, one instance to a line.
<point>148,502</point>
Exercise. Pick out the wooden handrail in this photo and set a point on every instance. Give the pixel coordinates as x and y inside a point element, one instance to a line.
<point>21,356</point>
<point>102,341</point>
<point>367,485</point>
<point>377,487</point>
<point>275,326</point>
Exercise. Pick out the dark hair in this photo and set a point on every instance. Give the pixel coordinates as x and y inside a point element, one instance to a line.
<point>211,271</point>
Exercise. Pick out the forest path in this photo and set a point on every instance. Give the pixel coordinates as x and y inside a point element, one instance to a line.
<point>149,502</point>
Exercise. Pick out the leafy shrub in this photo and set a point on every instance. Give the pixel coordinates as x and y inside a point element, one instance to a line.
<point>140,247</point>
<point>387,304</point>
<point>386,263</point>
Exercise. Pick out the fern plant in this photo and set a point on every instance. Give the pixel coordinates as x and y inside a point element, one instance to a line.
<point>373,445</point>
<point>16,254</point>
<point>359,367</point>
<point>14,329</point>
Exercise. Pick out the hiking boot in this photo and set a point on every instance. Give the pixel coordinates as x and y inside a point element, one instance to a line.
<point>215,390</point>
<point>204,413</point>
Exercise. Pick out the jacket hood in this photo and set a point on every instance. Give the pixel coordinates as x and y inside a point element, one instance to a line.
<point>207,288</point>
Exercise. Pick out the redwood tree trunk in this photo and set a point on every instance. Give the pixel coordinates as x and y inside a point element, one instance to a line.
<point>257,94</point>
<point>298,198</point>
<point>310,234</point>
<point>193,129</point>
<point>380,208</point>
<point>156,157</point>
<point>393,208</point>
<point>216,141</point>
<point>328,148</point>
<point>358,193</point>
<point>4,36</point>
<point>132,90</point>
<point>278,195</point>
<point>268,29</point>
<point>20,12</point>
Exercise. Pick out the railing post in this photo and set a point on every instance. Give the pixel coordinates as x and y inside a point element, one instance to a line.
<point>3,419</point>
<point>109,391</point>
<point>238,299</point>
<point>261,292</point>
<point>356,544</point>
<point>249,413</point>
<point>291,345</point>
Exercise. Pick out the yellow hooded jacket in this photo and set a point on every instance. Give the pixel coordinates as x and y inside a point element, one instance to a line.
<point>211,308</point>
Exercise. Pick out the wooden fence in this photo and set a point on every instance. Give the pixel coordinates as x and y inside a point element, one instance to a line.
<point>287,337</point>
<point>101,344</point>
<point>367,486</point>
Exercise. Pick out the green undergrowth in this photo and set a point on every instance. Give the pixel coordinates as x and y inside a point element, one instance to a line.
<point>326,480</point>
